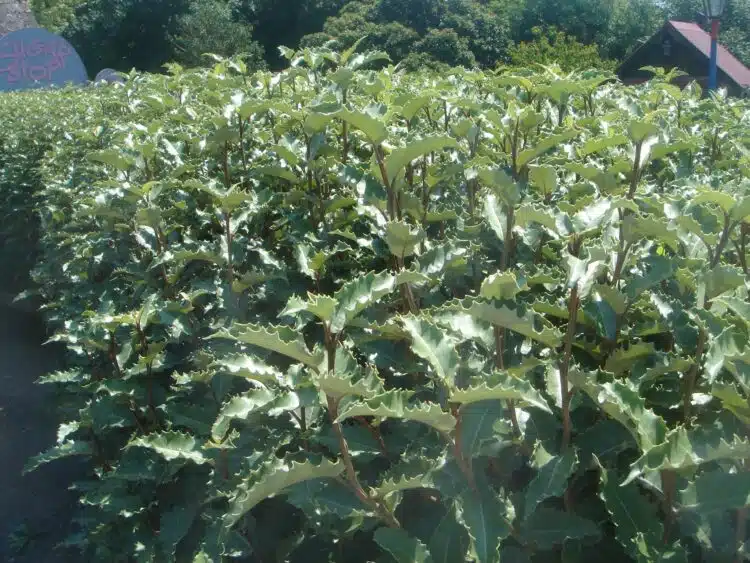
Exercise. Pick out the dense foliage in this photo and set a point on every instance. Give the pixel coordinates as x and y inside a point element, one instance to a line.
<point>337,314</point>
<point>136,33</point>
<point>552,46</point>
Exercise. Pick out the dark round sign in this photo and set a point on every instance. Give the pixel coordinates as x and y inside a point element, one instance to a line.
<point>109,75</point>
<point>34,58</point>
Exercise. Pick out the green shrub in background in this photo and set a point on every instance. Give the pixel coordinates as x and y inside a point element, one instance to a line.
<point>552,46</point>
<point>210,28</point>
<point>334,314</point>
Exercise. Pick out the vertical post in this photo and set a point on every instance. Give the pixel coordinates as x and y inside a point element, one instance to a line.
<point>714,52</point>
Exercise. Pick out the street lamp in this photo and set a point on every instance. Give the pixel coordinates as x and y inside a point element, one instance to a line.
<point>714,10</point>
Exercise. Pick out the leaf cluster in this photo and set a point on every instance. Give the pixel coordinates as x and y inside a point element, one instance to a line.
<point>343,314</point>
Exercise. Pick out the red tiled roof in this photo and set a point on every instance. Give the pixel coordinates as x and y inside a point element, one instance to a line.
<point>727,62</point>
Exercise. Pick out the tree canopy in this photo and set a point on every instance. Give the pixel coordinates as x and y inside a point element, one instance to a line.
<point>146,34</point>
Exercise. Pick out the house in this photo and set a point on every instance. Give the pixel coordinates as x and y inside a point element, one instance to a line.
<point>687,47</point>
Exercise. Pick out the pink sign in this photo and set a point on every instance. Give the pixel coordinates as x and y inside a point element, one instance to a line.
<point>30,58</point>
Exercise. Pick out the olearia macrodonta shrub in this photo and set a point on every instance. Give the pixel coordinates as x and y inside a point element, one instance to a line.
<point>337,314</point>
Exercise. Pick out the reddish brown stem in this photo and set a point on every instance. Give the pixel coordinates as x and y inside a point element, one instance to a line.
<point>375,434</point>
<point>668,485</point>
<point>741,532</point>
<point>573,305</point>
<point>113,354</point>
<point>458,453</point>
<point>351,474</point>
<point>692,377</point>
<point>636,170</point>
<point>722,241</point>
<point>242,147</point>
<point>499,347</point>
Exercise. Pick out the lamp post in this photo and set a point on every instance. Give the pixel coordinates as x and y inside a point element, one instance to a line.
<point>714,10</point>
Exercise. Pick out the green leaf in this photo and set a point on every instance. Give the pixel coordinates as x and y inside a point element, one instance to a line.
<point>606,440</point>
<point>322,306</point>
<point>252,107</point>
<point>374,129</point>
<point>660,150</point>
<point>717,491</point>
<point>632,513</point>
<point>649,228</point>
<point>495,216</point>
<point>112,157</point>
<point>403,547</point>
<point>277,172</point>
<point>659,269</point>
<point>717,281</point>
<point>737,365</point>
<point>394,404</point>
<point>415,473</point>
<point>255,401</point>
<point>544,178</point>
<point>735,403</point>
<point>271,479</point>
<point>499,385</point>
<point>248,280</point>
<point>357,295</point>
<point>171,446</point>
<point>503,285</point>
<point>740,211</point>
<point>478,425</point>
<point>739,307</point>
<point>548,528</point>
<point>621,401</point>
<point>685,450</point>
<point>402,240</point>
<point>435,346</point>
<point>399,158</point>
<point>582,272</point>
<point>594,146</point>
<point>249,367</point>
<point>348,377</point>
<point>548,143</point>
<point>414,104</point>
<point>551,479</point>
<point>503,317</point>
<point>623,359</point>
<point>484,516</point>
<point>639,131</point>
<point>529,214</point>
<point>724,200</point>
<point>65,449</point>
<point>725,350</point>
<point>502,186</point>
<point>442,258</point>
<point>279,339</point>
<point>445,537</point>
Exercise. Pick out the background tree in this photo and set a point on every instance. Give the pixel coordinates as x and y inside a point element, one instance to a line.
<point>554,46</point>
<point>55,15</point>
<point>126,34</point>
<point>209,27</point>
<point>283,22</point>
<point>142,33</point>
